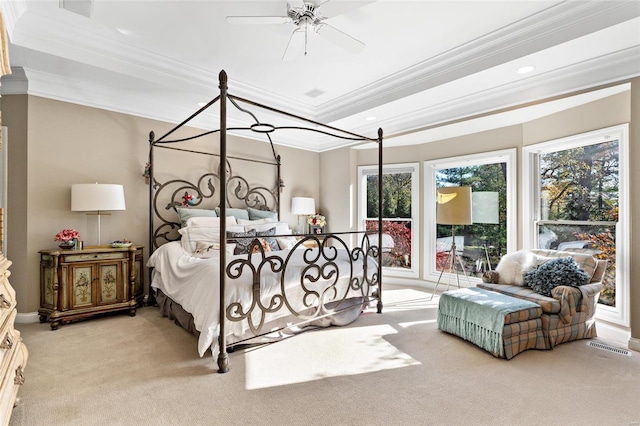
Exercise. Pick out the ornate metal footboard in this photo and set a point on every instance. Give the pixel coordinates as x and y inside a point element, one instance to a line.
<point>321,265</point>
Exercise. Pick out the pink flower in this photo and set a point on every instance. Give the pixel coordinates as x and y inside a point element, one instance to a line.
<point>67,235</point>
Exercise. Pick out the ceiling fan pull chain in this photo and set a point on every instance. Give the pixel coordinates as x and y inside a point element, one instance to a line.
<point>306,32</point>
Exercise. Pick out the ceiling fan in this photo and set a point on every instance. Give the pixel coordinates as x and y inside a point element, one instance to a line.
<point>306,16</point>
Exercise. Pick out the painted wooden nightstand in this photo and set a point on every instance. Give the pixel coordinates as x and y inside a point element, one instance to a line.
<point>78,284</point>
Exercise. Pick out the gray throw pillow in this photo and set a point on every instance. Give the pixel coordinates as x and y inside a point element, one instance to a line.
<point>242,244</point>
<point>554,273</point>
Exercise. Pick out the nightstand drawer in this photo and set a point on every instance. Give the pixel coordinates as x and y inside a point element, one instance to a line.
<point>94,256</point>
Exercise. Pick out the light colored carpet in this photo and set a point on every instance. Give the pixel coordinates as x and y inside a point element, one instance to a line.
<point>394,368</point>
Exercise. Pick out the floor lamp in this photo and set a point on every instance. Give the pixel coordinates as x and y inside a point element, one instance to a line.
<point>486,209</point>
<point>303,206</point>
<point>453,207</point>
<point>97,198</point>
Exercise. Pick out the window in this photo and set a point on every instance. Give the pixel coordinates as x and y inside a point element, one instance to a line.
<point>478,246</point>
<point>399,213</point>
<point>579,190</point>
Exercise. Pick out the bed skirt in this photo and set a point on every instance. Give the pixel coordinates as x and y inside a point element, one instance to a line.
<point>174,311</point>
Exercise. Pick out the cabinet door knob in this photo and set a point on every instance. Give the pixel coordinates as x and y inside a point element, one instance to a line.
<point>4,303</point>
<point>7,343</point>
<point>19,379</point>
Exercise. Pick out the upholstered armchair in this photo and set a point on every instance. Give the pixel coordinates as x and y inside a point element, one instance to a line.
<point>568,314</point>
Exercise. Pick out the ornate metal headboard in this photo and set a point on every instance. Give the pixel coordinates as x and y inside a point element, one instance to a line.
<point>172,194</point>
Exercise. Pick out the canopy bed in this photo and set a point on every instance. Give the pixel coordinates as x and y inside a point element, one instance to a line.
<point>221,263</point>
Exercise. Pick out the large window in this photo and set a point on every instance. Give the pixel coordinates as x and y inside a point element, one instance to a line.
<point>479,245</point>
<point>577,186</point>
<point>399,213</point>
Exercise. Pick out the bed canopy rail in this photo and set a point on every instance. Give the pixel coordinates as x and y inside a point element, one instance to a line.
<point>253,196</point>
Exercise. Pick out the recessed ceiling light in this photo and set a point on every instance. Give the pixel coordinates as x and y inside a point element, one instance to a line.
<point>201,104</point>
<point>524,70</point>
<point>370,118</point>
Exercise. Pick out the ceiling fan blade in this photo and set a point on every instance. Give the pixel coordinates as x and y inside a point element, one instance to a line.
<point>258,20</point>
<point>329,8</point>
<point>296,4</point>
<point>339,38</point>
<point>296,46</point>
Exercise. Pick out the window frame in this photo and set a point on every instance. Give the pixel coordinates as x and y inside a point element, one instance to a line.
<point>414,169</point>
<point>507,156</point>
<point>620,314</point>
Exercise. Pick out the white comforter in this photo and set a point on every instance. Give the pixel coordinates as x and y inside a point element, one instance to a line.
<point>193,283</point>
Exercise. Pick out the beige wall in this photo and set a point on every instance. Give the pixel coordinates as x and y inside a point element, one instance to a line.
<point>55,144</point>
<point>606,112</point>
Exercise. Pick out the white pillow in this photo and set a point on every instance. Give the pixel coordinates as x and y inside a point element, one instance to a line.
<point>192,235</point>
<point>209,221</point>
<point>286,243</point>
<point>235,228</point>
<point>255,222</point>
<point>513,265</point>
<point>282,228</point>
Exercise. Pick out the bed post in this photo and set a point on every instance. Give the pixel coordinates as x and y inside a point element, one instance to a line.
<point>151,299</point>
<point>279,186</point>
<point>223,356</point>
<point>380,220</point>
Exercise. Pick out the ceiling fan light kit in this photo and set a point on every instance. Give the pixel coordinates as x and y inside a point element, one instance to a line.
<point>304,16</point>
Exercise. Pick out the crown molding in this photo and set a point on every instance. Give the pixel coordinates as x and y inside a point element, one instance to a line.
<point>564,22</point>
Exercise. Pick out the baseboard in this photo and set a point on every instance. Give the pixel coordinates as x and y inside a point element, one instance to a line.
<point>28,318</point>
<point>616,334</point>
<point>634,344</point>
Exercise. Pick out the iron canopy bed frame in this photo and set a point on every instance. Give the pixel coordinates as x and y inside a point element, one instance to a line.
<point>184,193</point>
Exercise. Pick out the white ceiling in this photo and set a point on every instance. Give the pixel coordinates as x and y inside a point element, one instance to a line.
<point>425,63</point>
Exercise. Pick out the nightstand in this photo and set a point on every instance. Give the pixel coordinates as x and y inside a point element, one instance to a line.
<point>79,284</point>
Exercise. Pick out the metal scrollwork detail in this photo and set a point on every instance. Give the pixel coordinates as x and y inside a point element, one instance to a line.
<point>235,311</point>
<point>177,193</point>
<point>319,281</point>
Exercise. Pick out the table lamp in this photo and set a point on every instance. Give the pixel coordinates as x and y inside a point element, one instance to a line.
<point>302,206</point>
<point>96,198</point>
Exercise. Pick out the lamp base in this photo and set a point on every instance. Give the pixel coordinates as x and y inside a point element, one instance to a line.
<point>453,260</point>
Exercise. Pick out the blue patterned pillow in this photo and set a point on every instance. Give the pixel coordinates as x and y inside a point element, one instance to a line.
<point>554,273</point>
<point>242,244</point>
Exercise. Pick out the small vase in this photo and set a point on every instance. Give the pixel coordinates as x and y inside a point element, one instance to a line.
<point>67,245</point>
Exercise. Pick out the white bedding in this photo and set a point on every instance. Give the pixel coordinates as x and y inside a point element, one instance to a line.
<point>193,283</point>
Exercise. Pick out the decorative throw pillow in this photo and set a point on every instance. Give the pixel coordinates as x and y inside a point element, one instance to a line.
<point>268,236</point>
<point>512,266</point>
<point>185,213</point>
<point>554,273</point>
<point>264,244</point>
<point>242,244</point>
<point>237,213</point>
<point>261,214</point>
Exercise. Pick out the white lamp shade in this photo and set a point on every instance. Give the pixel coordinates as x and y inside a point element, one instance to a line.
<point>303,205</point>
<point>96,197</point>
<point>454,205</point>
<point>486,207</point>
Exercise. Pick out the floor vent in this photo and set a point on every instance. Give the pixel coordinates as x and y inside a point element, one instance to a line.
<point>609,348</point>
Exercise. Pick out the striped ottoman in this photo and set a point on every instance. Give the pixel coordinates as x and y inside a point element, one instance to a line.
<point>500,324</point>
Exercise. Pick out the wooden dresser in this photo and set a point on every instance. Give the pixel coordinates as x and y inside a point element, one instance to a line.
<point>78,284</point>
<point>13,352</point>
